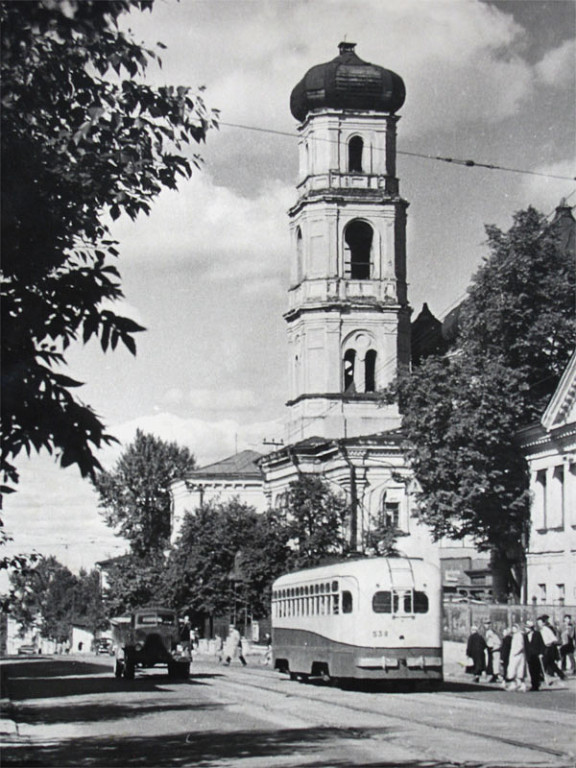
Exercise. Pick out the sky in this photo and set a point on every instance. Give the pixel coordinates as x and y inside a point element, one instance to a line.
<point>207,272</point>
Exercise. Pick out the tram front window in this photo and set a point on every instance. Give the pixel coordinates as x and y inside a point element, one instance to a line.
<point>408,601</point>
<point>346,602</point>
<point>382,602</point>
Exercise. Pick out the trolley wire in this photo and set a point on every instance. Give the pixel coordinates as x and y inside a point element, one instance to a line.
<point>467,163</point>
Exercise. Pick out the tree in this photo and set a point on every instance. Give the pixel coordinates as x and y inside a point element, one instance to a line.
<point>133,582</point>
<point>315,517</point>
<point>461,410</point>
<point>227,554</point>
<point>83,138</point>
<point>135,495</point>
<point>52,597</point>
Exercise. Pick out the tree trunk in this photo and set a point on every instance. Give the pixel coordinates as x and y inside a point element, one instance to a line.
<point>500,568</point>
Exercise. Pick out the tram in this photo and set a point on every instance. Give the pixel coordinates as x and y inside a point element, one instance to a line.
<point>375,619</point>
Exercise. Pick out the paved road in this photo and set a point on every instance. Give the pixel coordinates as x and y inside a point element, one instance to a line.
<point>73,712</point>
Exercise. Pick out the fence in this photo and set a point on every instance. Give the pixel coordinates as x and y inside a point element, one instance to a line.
<point>459,617</point>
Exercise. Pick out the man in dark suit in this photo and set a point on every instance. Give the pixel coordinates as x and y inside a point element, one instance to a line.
<point>476,650</point>
<point>535,648</point>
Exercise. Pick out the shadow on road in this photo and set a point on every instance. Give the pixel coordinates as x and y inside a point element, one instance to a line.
<point>78,678</point>
<point>202,750</point>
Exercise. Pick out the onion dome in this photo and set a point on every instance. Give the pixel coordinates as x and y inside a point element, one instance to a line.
<point>347,82</point>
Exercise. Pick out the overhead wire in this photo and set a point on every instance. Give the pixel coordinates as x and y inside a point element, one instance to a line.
<point>467,163</point>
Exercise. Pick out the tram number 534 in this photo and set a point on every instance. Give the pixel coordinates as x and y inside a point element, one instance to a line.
<point>380,633</point>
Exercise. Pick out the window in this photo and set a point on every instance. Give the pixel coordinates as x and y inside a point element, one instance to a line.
<point>355,148</point>
<point>390,513</point>
<point>540,502</point>
<point>420,602</point>
<point>299,255</point>
<point>382,602</point>
<point>370,371</point>
<point>347,602</point>
<point>411,601</point>
<point>358,247</point>
<point>542,591</point>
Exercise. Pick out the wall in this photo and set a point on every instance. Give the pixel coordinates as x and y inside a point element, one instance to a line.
<point>458,618</point>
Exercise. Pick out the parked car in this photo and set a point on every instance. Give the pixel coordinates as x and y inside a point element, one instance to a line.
<point>104,645</point>
<point>28,650</point>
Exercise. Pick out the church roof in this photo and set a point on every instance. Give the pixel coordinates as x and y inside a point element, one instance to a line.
<point>241,464</point>
<point>347,82</point>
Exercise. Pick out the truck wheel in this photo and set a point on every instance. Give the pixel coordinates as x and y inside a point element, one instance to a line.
<point>129,670</point>
<point>183,669</point>
<point>118,668</point>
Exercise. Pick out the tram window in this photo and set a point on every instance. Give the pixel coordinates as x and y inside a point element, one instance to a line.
<point>385,602</point>
<point>382,602</point>
<point>407,602</point>
<point>420,602</point>
<point>336,604</point>
<point>346,602</point>
<point>334,586</point>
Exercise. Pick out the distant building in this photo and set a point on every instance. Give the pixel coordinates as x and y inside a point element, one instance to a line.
<point>238,476</point>
<point>550,449</point>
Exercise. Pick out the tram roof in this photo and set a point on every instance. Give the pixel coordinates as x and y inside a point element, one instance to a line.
<point>360,568</point>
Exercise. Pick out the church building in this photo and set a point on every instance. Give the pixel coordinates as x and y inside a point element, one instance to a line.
<point>347,317</point>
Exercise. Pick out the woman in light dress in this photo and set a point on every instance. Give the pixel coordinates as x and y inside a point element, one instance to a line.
<point>516,671</point>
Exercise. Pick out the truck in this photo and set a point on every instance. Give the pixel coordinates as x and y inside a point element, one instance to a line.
<point>147,637</point>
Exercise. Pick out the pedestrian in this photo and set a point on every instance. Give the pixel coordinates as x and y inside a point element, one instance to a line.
<point>551,642</point>
<point>493,645</point>
<point>567,636</point>
<point>505,654</point>
<point>516,670</point>
<point>234,647</point>
<point>476,650</point>
<point>185,637</point>
<point>534,647</point>
<point>267,658</point>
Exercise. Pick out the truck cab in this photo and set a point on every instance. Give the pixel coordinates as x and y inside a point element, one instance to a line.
<point>147,637</point>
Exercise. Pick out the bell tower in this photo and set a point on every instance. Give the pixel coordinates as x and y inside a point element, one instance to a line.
<point>348,316</point>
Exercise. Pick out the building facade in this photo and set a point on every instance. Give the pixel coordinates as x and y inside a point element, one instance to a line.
<point>550,449</point>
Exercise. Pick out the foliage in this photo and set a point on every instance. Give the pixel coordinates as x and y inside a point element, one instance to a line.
<point>51,596</point>
<point>227,556</point>
<point>315,518</point>
<point>83,138</point>
<point>132,582</point>
<point>135,495</point>
<point>520,307</point>
<point>461,411</point>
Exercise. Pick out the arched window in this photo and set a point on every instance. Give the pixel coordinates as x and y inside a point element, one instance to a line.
<point>299,252</point>
<point>370,371</point>
<point>349,362</point>
<point>358,240</point>
<point>355,148</point>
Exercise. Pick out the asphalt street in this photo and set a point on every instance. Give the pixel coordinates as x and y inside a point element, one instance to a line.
<point>71,711</point>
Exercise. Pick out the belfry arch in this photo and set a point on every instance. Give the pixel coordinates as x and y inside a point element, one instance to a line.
<point>359,361</point>
<point>355,154</point>
<point>358,244</point>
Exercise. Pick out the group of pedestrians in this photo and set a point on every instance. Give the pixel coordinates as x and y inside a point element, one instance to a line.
<point>538,653</point>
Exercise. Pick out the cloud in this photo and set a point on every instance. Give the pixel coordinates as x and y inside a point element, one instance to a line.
<point>545,194</point>
<point>209,440</point>
<point>557,67</point>
<point>207,400</point>
<point>218,233</point>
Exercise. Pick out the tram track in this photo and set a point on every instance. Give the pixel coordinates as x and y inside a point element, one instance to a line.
<point>446,699</point>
